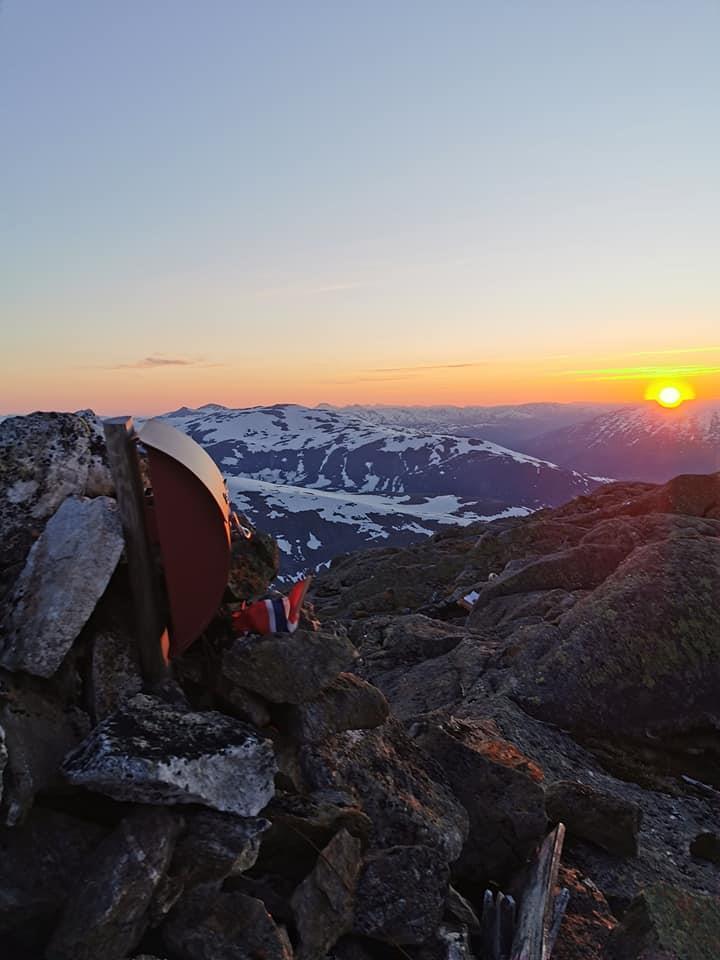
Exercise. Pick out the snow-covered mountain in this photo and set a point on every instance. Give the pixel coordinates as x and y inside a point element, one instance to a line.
<point>640,443</point>
<point>509,425</point>
<point>325,482</point>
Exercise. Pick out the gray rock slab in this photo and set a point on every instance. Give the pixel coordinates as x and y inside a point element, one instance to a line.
<point>66,573</point>
<point>114,670</point>
<point>109,908</point>
<point>150,752</point>
<point>349,703</point>
<point>289,667</point>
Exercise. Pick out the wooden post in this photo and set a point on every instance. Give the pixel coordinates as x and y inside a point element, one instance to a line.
<point>123,459</point>
<point>536,910</point>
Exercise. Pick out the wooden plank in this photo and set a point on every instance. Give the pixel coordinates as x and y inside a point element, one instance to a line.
<point>123,460</point>
<point>532,939</point>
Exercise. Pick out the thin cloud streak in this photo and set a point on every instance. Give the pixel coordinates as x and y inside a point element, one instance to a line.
<point>642,373</point>
<point>158,363</point>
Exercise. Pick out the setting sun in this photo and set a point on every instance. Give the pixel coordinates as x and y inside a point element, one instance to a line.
<point>670,397</point>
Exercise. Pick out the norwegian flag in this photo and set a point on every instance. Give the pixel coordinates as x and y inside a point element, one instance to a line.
<point>272,616</point>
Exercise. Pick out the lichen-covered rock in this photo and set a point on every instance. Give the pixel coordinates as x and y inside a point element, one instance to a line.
<point>149,752</point>
<point>667,923</point>
<point>500,789</point>
<point>40,860</point>
<point>224,926</point>
<point>609,822</point>
<point>640,653</point>
<point>254,563</point>
<point>66,573</point>
<point>288,667</point>
<point>401,895</point>
<point>39,732</point>
<point>388,775</point>
<point>588,920</point>
<point>349,703</point>
<point>109,909</point>
<point>324,903</point>
<point>44,458</point>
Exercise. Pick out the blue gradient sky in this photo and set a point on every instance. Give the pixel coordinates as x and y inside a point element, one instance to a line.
<point>254,202</point>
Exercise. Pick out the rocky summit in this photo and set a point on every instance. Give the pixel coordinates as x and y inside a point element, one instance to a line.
<point>383,782</point>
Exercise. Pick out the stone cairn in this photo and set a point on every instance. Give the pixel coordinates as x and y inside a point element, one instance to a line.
<point>262,805</point>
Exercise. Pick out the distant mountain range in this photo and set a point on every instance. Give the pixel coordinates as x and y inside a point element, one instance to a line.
<point>326,481</point>
<point>638,443</point>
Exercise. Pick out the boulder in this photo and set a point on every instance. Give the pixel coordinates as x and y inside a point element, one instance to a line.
<point>108,911</point>
<point>39,732</point>
<point>288,667</point>
<point>608,821</point>
<point>401,895</point>
<point>500,789</point>
<point>638,654</point>
<point>149,752</point>
<point>44,458</point>
<point>401,641</point>
<point>324,903</point>
<point>254,563</point>
<point>66,573</point>
<point>588,920</point>
<point>668,923</point>
<point>349,703</point>
<point>40,860</point>
<point>224,926</point>
<point>388,775</point>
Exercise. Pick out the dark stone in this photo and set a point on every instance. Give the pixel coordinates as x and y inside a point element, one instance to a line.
<point>288,667</point>
<point>668,923</point>
<point>109,908</point>
<point>388,775</point>
<point>115,674</point>
<point>254,563</point>
<point>500,789</point>
<point>40,860</point>
<point>588,920</point>
<point>706,846</point>
<point>605,820</point>
<point>224,926</point>
<point>461,910</point>
<point>324,902</point>
<point>401,895</point>
<point>349,703</point>
<point>39,732</point>
<point>149,752</point>
<point>214,847</point>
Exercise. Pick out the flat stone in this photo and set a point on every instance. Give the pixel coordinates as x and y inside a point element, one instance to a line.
<point>324,902</point>
<point>224,926</point>
<point>500,789</point>
<point>149,752</point>
<point>288,667</point>
<point>401,895</point>
<point>607,821</point>
<point>66,573</point>
<point>349,703</point>
<point>667,923</point>
<point>39,732</point>
<point>109,909</point>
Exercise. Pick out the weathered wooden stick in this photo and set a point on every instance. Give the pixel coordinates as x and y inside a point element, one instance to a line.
<point>125,468</point>
<point>561,902</point>
<point>535,913</point>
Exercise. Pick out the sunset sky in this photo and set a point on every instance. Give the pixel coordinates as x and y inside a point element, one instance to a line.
<point>401,201</point>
